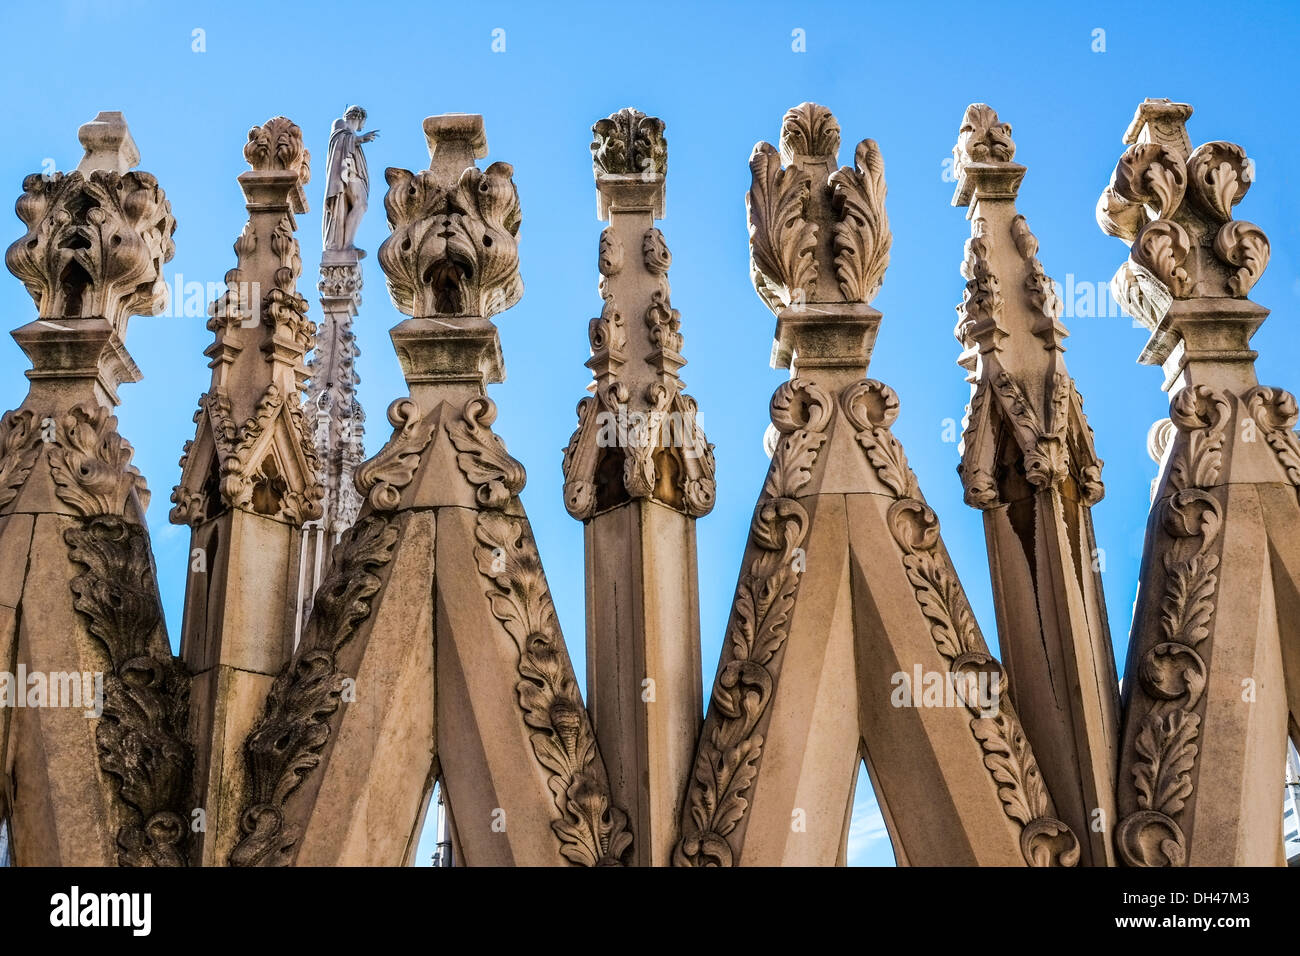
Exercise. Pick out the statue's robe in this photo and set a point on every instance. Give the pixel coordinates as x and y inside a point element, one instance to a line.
<point>343,145</point>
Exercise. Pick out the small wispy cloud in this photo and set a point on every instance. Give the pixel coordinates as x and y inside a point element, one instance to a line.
<point>868,839</point>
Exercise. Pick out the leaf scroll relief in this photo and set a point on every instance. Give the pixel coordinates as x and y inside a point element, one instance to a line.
<point>590,829</point>
<point>1172,673</point>
<point>285,746</point>
<point>141,733</point>
<point>727,761</point>
<point>1044,840</point>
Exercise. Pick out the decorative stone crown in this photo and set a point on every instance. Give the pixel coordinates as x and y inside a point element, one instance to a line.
<point>96,237</point>
<point>454,244</point>
<point>809,221</point>
<point>1173,206</point>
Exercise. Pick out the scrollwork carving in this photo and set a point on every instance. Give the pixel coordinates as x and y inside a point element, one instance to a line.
<point>629,143</point>
<point>591,830</point>
<point>872,408</point>
<point>495,475</point>
<point>381,479</point>
<point>781,239</point>
<point>1045,841</point>
<point>141,734</point>
<point>726,762</point>
<point>454,248</point>
<point>861,235</point>
<point>1275,411</point>
<point>285,745</point>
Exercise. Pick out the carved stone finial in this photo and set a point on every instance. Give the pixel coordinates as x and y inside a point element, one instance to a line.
<point>809,130</point>
<point>454,247</point>
<point>1163,122</point>
<point>659,450</point>
<point>1173,206</point>
<point>629,143</point>
<point>629,156</point>
<point>982,157</point>
<point>253,448</point>
<point>108,144</point>
<point>97,237</point>
<point>817,235</point>
<point>276,146</point>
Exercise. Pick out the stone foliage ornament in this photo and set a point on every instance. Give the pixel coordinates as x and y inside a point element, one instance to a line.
<point>416,577</point>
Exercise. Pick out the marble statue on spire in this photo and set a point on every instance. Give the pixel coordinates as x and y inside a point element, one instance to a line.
<point>347,181</point>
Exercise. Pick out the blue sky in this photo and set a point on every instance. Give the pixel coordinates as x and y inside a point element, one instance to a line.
<point>721,76</point>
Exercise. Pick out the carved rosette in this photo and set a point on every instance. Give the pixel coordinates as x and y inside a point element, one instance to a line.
<point>726,762</point>
<point>1044,840</point>
<point>285,745</point>
<point>1172,673</point>
<point>590,829</point>
<point>454,247</point>
<point>141,735</point>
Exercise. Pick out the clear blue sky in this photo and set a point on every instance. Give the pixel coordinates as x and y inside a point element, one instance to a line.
<point>721,76</point>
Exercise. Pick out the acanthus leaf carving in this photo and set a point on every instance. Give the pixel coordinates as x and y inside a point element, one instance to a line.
<point>809,130</point>
<point>1219,174</point>
<point>285,744</point>
<point>1201,413</point>
<point>1151,175</point>
<point>95,244</point>
<point>1045,840</point>
<point>983,138</point>
<point>19,448</point>
<point>1172,673</point>
<point>979,316</point>
<point>277,145</point>
<point>872,408</point>
<point>861,235</point>
<point>454,248</point>
<point>655,252</point>
<point>141,735</point>
<point>726,762</point>
<point>91,463</point>
<point>629,143</point>
<point>482,458</point>
<point>1276,412</point>
<point>1162,247</point>
<point>1242,244</point>
<point>591,830</point>
<point>382,478</point>
<point>781,238</point>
